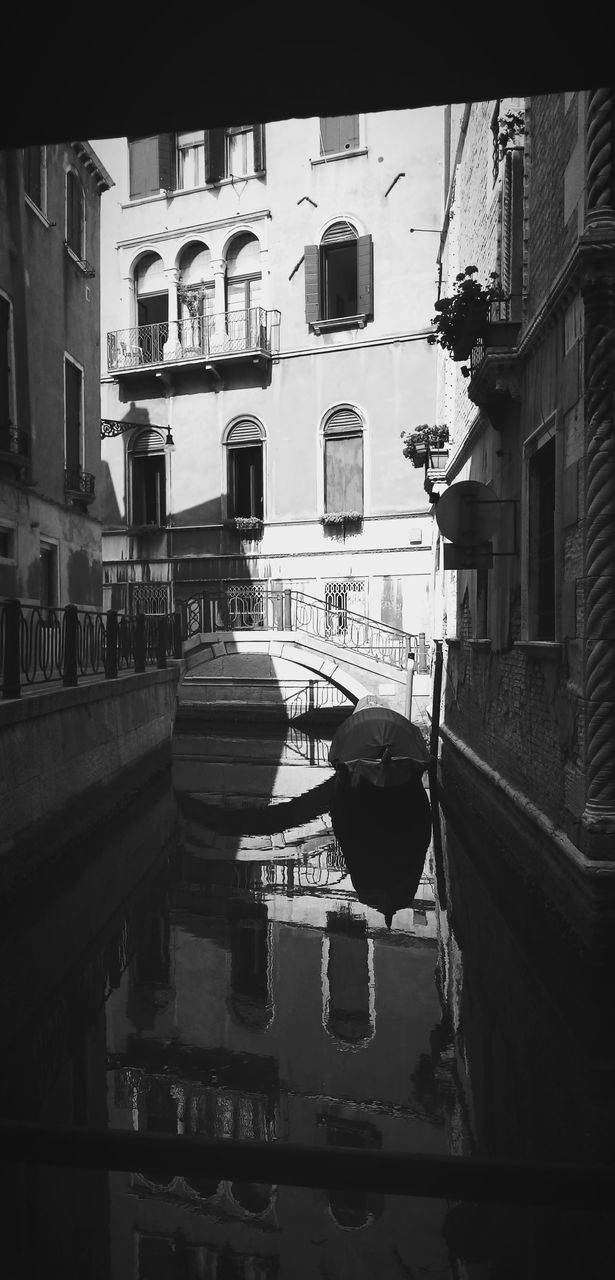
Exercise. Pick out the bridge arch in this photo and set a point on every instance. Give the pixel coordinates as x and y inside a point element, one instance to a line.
<point>283,660</point>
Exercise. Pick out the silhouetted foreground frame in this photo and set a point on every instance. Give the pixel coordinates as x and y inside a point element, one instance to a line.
<point>290,1164</point>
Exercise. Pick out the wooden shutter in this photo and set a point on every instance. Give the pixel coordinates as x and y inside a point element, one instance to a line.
<point>215,142</point>
<point>72,392</point>
<point>343,474</point>
<point>166,162</point>
<point>311,255</point>
<point>516,237</point>
<point>329,134</point>
<point>259,148</point>
<point>365,288</point>
<point>144,167</point>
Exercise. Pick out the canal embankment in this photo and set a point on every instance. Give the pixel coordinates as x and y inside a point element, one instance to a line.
<point>68,756</point>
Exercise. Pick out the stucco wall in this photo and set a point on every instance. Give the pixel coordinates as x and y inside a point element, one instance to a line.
<point>66,755</point>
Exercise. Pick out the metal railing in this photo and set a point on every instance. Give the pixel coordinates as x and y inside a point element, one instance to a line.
<point>78,481</point>
<point>500,312</point>
<point>41,645</point>
<point>193,338</point>
<point>255,606</point>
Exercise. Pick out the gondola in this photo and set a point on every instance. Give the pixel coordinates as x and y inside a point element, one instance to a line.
<point>380,810</point>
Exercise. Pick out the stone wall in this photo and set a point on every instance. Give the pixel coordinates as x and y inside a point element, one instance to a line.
<point>67,756</point>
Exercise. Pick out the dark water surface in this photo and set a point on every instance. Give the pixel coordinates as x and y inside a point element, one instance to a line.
<point>205,966</point>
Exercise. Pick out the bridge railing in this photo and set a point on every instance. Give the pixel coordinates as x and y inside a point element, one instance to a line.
<point>256,606</point>
<point>42,646</point>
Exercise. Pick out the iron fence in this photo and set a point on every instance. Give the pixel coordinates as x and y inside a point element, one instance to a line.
<point>40,645</point>
<point>256,606</point>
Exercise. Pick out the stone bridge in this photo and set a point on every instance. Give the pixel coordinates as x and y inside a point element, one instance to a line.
<point>289,654</point>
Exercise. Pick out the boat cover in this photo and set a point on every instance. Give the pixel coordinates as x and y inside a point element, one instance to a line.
<point>380,746</point>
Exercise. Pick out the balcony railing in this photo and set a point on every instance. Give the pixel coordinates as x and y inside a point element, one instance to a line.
<point>194,338</point>
<point>501,332</point>
<point>80,482</point>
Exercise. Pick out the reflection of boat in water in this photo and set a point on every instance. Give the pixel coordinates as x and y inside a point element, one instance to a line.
<point>380,809</point>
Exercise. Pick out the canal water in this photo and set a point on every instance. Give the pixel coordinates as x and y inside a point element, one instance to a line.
<point>208,965</point>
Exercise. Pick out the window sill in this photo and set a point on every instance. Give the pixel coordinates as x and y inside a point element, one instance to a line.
<point>340,155</point>
<point>81,263</point>
<point>543,650</point>
<point>341,322</point>
<point>453,642</point>
<point>39,212</point>
<point>482,645</point>
<point>190,191</point>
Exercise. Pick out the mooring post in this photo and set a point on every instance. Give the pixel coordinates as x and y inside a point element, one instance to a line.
<point>409,683</point>
<point>288,621</point>
<point>161,643</point>
<point>11,685</point>
<point>111,645</point>
<point>71,635</point>
<point>435,706</point>
<point>140,642</point>
<point>177,634</point>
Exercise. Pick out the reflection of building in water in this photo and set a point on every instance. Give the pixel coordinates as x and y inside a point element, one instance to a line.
<point>287,1012</point>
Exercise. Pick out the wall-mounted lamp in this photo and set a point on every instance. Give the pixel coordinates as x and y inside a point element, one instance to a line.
<point>169,442</point>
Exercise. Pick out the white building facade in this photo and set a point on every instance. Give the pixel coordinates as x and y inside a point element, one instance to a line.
<point>264,307</point>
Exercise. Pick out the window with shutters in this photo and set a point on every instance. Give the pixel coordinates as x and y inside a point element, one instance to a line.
<point>343,463</point>
<point>73,415</point>
<point>338,134</point>
<point>193,158</point>
<point>35,176</point>
<point>338,279</point>
<point>75,215</point>
<point>148,479</point>
<point>244,446</point>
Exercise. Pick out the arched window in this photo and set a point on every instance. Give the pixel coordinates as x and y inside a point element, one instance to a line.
<point>152,306</point>
<point>244,445</point>
<point>75,215</point>
<point>243,291</point>
<point>148,479</point>
<point>343,463</point>
<point>196,298</point>
<point>338,278</point>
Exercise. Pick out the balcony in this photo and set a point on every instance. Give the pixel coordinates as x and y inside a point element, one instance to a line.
<point>79,486</point>
<point>15,448</point>
<point>493,383</point>
<point>211,341</point>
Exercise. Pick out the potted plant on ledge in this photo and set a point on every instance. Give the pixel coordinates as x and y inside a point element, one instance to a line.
<point>249,526</point>
<point>342,522</point>
<point>463,317</point>
<point>425,442</point>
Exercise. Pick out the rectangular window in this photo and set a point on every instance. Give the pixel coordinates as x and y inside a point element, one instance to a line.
<point>73,415</point>
<point>343,474</point>
<point>246,481</point>
<point>339,280</point>
<point>34,175</point>
<point>191,159</point>
<point>48,574</point>
<point>338,134</point>
<point>6,542</point>
<point>239,151</point>
<point>148,490</point>
<point>75,215</point>
<point>542,542</point>
<point>6,374</point>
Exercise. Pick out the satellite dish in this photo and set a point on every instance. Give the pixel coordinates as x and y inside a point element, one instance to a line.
<point>468,513</point>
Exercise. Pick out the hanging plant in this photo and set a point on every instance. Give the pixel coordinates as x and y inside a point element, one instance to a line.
<point>463,317</point>
<point>419,443</point>
<point>511,126</point>
<point>341,517</point>
<point>246,524</point>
